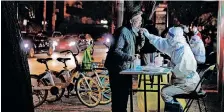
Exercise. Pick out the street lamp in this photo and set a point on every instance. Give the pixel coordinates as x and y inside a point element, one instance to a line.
<point>44,23</point>
<point>104,21</point>
<point>25,23</point>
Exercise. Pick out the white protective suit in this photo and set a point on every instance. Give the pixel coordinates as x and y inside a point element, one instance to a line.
<point>185,78</point>
<point>198,49</point>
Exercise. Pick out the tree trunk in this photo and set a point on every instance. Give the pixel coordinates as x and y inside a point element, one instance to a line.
<point>153,10</point>
<point>44,15</point>
<point>16,84</point>
<point>54,15</point>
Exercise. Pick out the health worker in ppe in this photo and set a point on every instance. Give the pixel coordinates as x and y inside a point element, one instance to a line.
<point>196,32</point>
<point>185,78</point>
<point>198,49</point>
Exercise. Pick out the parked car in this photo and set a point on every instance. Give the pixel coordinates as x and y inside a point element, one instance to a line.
<point>37,43</point>
<point>67,42</point>
<point>55,38</point>
<point>56,34</point>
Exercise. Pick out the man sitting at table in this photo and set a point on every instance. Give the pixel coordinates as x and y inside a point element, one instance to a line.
<point>185,78</point>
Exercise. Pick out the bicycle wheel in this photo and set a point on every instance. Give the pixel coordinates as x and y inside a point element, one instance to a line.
<point>88,95</point>
<point>106,91</point>
<point>39,96</point>
<point>59,81</point>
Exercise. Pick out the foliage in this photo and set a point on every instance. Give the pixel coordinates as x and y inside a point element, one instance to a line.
<point>187,12</point>
<point>147,8</point>
<point>93,9</point>
<point>208,20</point>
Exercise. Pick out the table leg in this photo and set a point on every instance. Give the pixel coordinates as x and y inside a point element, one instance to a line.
<point>159,93</point>
<point>140,80</point>
<point>131,98</point>
<point>145,96</point>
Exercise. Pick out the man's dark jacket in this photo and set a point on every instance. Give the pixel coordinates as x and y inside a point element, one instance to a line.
<point>124,46</point>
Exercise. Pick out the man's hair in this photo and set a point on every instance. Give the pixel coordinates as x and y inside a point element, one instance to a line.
<point>132,9</point>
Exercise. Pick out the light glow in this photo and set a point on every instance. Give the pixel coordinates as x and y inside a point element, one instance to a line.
<point>71,43</point>
<point>55,43</point>
<point>26,45</point>
<point>108,40</point>
<point>103,21</point>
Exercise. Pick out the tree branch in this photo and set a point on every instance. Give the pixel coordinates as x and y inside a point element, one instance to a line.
<point>153,10</point>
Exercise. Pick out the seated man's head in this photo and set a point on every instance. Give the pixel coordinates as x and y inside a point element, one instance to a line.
<point>207,39</point>
<point>175,36</point>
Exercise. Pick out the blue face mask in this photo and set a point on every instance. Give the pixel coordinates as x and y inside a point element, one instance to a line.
<point>170,39</point>
<point>175,44</point>
<point>194,40</point>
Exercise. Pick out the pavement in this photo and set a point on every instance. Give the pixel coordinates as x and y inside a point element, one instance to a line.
<point>73,104</point>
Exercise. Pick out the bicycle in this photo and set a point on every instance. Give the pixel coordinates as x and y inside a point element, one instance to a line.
<point>42,83</point>
<point>85,87</point>
<point>102,79</point>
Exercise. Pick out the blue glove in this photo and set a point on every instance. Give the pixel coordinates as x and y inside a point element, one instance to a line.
<point>146,33</point>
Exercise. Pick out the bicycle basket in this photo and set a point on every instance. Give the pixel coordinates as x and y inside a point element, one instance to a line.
<point>92,65</point>
<point>87,66</point>
<point>97,65</point>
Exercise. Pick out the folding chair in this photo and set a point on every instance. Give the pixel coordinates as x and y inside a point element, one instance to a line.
<point>194,95</point>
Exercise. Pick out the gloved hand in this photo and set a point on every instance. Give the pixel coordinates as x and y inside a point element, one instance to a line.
<point>145,32</point>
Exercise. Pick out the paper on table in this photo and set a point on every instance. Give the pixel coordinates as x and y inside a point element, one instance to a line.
<point>155,69</point>
<point>151,68</point>
<point>129,71</point>
<point>147,69</point>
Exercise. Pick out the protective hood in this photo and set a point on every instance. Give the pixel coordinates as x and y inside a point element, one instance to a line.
<point>195,39</point>
<point>195,30</point>
<point>175,36</point>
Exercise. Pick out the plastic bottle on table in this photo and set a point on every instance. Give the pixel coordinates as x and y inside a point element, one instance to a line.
<point>159,61</point>
<point>137,63</point>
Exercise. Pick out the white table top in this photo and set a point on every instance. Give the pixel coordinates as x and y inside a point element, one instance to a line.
<point>147,71</point>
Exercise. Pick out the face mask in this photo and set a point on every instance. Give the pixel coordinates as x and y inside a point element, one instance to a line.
<point>170,40</point>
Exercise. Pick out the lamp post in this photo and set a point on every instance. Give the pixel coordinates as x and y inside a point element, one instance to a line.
<point>54,15</point>
<point>112,27</point>
<point>44,15</point>
<point>17,10</point>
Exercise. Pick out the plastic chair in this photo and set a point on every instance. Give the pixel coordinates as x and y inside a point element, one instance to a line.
<point>194,95</point>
